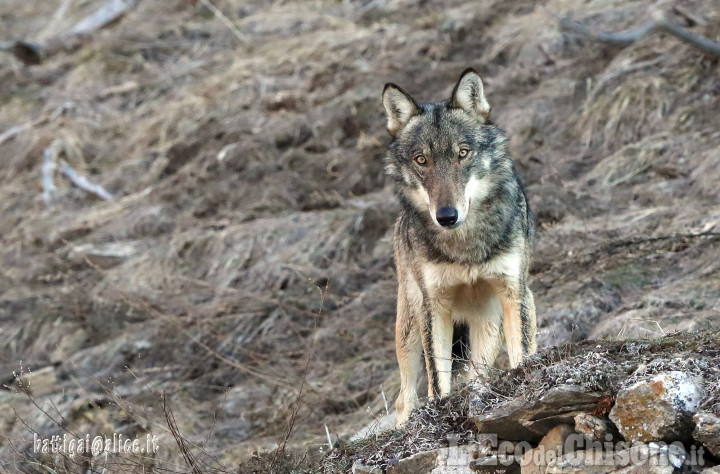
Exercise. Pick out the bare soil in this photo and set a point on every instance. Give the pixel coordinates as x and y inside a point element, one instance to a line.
<point>242,277</point>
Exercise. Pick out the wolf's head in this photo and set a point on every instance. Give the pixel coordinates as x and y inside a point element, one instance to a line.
<point>444,154</point>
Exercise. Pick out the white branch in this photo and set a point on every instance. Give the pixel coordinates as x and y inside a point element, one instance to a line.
<point>83,183</point>
<point>48,170</point>
<point>50,164</point>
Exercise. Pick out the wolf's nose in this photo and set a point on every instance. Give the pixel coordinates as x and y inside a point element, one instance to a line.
<point>447,216</point>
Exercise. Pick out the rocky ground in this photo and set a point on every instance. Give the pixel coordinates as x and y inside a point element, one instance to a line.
<point>596,406</point>
<point>237,293</point>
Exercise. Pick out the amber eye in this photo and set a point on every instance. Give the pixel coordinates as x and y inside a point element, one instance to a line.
<point>464,152</point>
<point>421,160</point>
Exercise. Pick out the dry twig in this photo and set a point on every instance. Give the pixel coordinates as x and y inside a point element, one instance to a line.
<point>50,162</point>
<point>659,23</point>
<point>34,53</point>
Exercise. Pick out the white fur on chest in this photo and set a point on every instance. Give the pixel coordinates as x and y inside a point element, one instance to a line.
<point>445,275</point>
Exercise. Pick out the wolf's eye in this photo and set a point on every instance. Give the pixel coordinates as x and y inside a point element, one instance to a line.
<point>464,152</point>
<point>421,160</point>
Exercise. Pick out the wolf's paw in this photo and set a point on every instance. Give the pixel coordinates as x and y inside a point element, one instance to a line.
<point>401,419</point>
<point>403,407</point>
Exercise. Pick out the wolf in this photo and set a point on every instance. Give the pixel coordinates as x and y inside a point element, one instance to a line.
<point>463,239</point>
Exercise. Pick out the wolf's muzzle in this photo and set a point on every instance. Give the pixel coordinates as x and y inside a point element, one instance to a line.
<point>447,216</point>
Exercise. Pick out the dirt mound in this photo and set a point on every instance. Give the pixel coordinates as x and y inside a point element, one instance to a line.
<point>242,276</point>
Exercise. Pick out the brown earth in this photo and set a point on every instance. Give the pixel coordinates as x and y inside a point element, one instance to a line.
<point>243,274</point>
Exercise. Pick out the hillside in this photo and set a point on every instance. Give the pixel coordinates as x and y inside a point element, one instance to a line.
<point>240,282</point>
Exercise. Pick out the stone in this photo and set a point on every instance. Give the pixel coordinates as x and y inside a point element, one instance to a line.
<point>555,439</point>
<point>360,468</point>
<point>707,431</point>
<point>530,420</point>
<point>647,458</point>
<point>590,462</point>
<point>450,460</point>
<point>659,408</point>
<point>673,454</point>
<point>457,459</point>
<point>533,462</point>
<point>496,463</point>
<point>550,447</point>
<point>594,429</point>
<point>420,462</point>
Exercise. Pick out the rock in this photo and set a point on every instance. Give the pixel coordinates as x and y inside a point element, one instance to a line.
<point>594,429</point>
<point>533,462</point>
<point>649,459</point>
<point>550,447</point>
<point>360,468</point>
<point>496,463</point>
<point>652,458</point>
<point>530,420</point>
<point>590,462</point>
<point>457,459</point>
<point>707,431</point>
<point>711,470</point>
<point>454,459</point>
<point>657,409</point>
<point>555,439</point>
<point>420,462</point>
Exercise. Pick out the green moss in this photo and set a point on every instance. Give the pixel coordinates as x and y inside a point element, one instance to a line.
<point>628,275</point>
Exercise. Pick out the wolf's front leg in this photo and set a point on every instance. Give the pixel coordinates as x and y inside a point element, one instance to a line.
<point>437,344</point>
<point>529,322</point>
<point>518,320</point>
<point>409,355</point>
<point>485,333</point>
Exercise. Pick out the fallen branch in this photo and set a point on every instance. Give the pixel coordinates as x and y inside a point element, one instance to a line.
<point>83,183</point>
<point>48,170</point>
<point>34,53</point>
<point>50,162</point>
<point>659,23</point>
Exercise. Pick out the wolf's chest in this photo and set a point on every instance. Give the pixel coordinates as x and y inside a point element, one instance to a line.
<point>446,275</point>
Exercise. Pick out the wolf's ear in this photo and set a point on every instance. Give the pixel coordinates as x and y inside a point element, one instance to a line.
<point>468,95</point>
<point>400,108</point>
